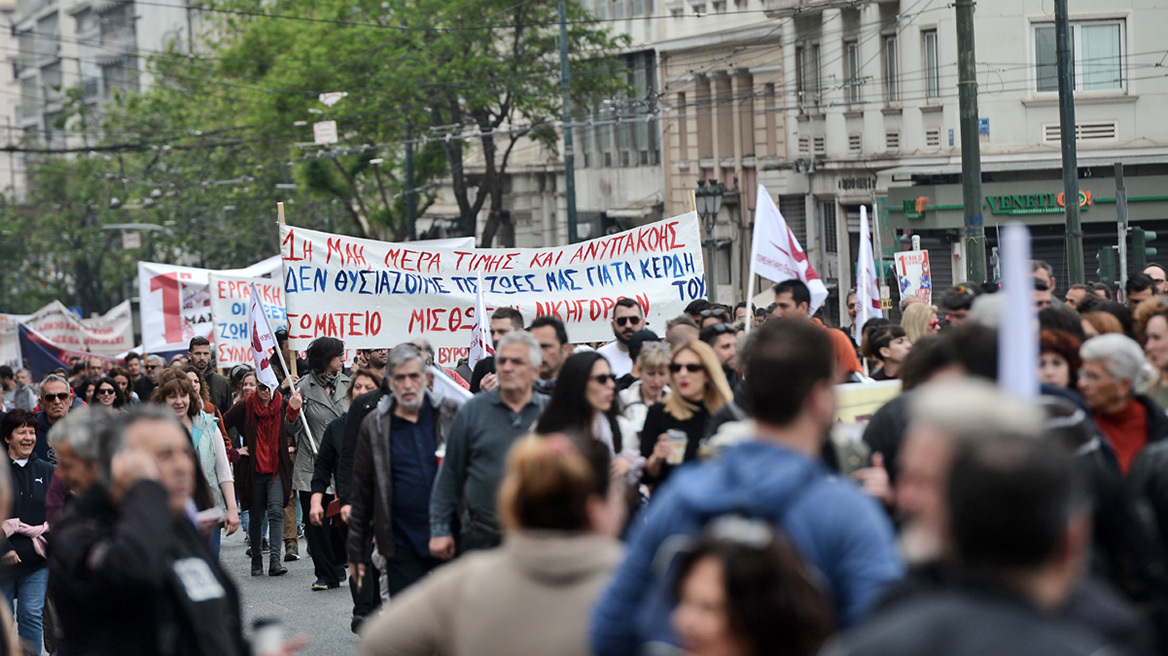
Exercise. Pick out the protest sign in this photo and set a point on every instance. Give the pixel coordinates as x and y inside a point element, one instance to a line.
<point>108,334</point>
<point>857,402</point>
<point>914,276</point>
<point>229,301</point>
<point>375,294</point>
<point>10,340</point>
<point>175,303</point>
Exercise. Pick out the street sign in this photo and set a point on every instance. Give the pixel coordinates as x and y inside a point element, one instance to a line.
<point>324,132</point>
<point>131,240</point>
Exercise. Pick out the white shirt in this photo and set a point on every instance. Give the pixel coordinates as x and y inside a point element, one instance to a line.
<point>618,360</point>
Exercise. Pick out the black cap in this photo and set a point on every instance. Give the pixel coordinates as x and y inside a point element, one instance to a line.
<point>637,339</point>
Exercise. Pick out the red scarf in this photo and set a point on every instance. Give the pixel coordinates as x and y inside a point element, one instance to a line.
<point>267,419</point>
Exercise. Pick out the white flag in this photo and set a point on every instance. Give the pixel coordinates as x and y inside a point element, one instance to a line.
<point>1017,323</point>
<point>776,254</point>
<point>262,340</point>
<point>445,386</point>
<point>867,291</point>
<point>480,334</point>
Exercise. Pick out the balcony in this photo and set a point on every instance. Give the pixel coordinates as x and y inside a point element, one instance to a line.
<point>26,8</point>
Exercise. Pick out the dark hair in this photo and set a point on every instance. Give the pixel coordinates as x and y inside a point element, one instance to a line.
<point>16,419</point>
<point>1138,282</point>
<point>1104,289</point>
<point>82,386</point>
<point>626,302</point>
<point>976,347</point>
<point>1061,318</point>
<point>119,398</point>
<point>739,304</point>
<point>798,291</point>
<point>695,307</point>
<point>797,355</point>
<point>198,340</point>
<point>368,373</point>
<point>1114,308</point>
<point>240,372</point>
<point>1064,345</point>
<point>1040,285</point>
<point>957,297</point>
<point>1010,498</point>
<point>7,372</point>
<point>929,354</point>
<point>881,337</point>
<point>177,384</point>
<point>568,408</point>
<point>549,481</point>
<point>711,332</point>
<point>281,335</point>
<point>544,321</point>
<point>204,392</point>
<point>772,603</point>
<point>131,356</point>
<point>321,352</point>
<point>510,314</point>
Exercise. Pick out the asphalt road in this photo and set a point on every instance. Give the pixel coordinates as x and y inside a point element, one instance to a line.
<point>323,616</point>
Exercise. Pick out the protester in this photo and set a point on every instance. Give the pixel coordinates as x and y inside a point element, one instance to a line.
<point>152,368</point>
<point>554,349</point>
<point>375,361</point>
<point>919,321</point>
<point>504,320</point>
<point>177,393</point>
<point>1018,521</point>
<point>890,346</point>
<point>653,365</point>
<point>585,403</point>
<point>16,395</point>
<point>1139,288</point>
<point>1042,296</point>
<point>1156,273</point>
<point>243,383</point>
<point>1100,323</point>
<point>561,513</point>
<point>83,390</point>
<point>56,401</point>
<point>741,589</point>
<point>743,312</point>
<point>109,394</point>
<point>681,330</point>
<point>391,494</point>
<point>1059,362</point>
<point>712,315</point>
<point>627,318</point>
<point>121,377</point>
<point>26,572</point>
<point>776,477</point>
<point>699,390</point>
<point>722,338</point>
<point>218,387</point>
<point>9,639</point>
<point>1112,372</point>
<point>324,512</point>
<point>133,366</point>
<point>1075,294</point>
<point>325,392</point>
<point>956,303</point>
<point>1151,326</point>
<point>482,431</point>
<point>265,467</point>
<point>130,572</point>
<point>793,301</point>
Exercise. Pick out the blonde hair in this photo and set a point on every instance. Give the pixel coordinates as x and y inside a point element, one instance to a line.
<point>718,391</point>
<point>915,320</point>
<point>654,355</point>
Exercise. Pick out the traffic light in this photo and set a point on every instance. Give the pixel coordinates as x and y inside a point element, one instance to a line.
<point>1140,249</point>
<point>1107,265</point>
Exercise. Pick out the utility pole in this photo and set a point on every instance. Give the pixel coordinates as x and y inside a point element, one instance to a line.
<point>569,153</point>
<point>1066,91</point>
<point>411,200</point>
<point>1121,223</point>
<point>974,239</point>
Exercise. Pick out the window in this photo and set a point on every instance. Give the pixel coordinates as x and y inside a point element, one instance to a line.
<point>932,65</point>
<point>891,70</point>
<point>807,75</point>
<point>852,64</point>
<point>1097,51</point>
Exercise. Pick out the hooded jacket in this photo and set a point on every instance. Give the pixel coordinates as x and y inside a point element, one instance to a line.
<point>542,581</point>
<point>835,527</point>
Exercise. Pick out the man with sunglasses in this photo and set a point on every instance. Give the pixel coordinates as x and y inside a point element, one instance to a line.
<point>627,319</point>
<point>145,385</point>
<point>56,401</point>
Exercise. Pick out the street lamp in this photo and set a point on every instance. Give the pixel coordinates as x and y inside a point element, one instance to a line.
<point>709,202</point>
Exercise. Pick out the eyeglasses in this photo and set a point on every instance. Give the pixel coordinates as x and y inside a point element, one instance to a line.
<point>705,314</point>
<point>151,367</point>
<point>105,390</point>
<point>63,396</point>
<point>604,379</point>
<point>691,367</point>
<point>721,328</point>
<point>633,320</point>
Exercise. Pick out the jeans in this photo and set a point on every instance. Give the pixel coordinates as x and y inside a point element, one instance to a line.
<point>407,568</point>
<point>325,542</point>
<point>28,591</point>
<point>267,493</point>
<point>216,539</point>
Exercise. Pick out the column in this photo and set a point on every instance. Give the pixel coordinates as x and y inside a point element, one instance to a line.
<point>870,71</point>
<point>832,78</point>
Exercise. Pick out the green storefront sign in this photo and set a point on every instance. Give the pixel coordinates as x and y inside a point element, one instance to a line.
<point>1033,203</point>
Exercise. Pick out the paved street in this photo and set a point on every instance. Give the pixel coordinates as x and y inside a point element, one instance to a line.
<point>324,616</point>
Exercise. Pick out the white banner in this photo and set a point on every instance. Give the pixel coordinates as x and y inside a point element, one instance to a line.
<point>229,303</point>
<point>914,276</point>
<point>10,339</point>
<point>867,291</point>
<point>108,334</point>
<point>375,294</point>
<point>175,303</point>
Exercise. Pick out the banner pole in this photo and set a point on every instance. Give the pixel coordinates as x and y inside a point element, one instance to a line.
<point>290,370</point>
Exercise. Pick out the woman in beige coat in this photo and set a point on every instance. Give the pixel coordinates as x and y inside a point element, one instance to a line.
<point>561,512</point>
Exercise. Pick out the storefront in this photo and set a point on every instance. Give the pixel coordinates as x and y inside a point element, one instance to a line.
<point>928,203</point>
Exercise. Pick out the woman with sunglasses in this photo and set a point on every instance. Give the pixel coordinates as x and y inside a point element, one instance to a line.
<point>109,394</point>
<point>584,400</point>
<point>919,320</point>
<point>699,390</point>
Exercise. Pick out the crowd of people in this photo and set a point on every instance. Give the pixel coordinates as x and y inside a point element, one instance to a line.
<point>655,494</point>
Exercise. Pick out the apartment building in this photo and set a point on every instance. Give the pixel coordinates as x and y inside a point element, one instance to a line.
<point>11,166</point>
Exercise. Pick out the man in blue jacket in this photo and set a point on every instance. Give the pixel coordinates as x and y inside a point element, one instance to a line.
<point>841,532</point>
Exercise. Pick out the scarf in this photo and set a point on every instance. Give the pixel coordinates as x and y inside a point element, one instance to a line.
<point>37,533</point>
<point>327,381</point>
<point>267,417</point>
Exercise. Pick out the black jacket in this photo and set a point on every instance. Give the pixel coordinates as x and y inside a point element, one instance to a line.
<point>131,579</point>
<point>327,456</point>
<point>30,485</point>
<point>358,410</point>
